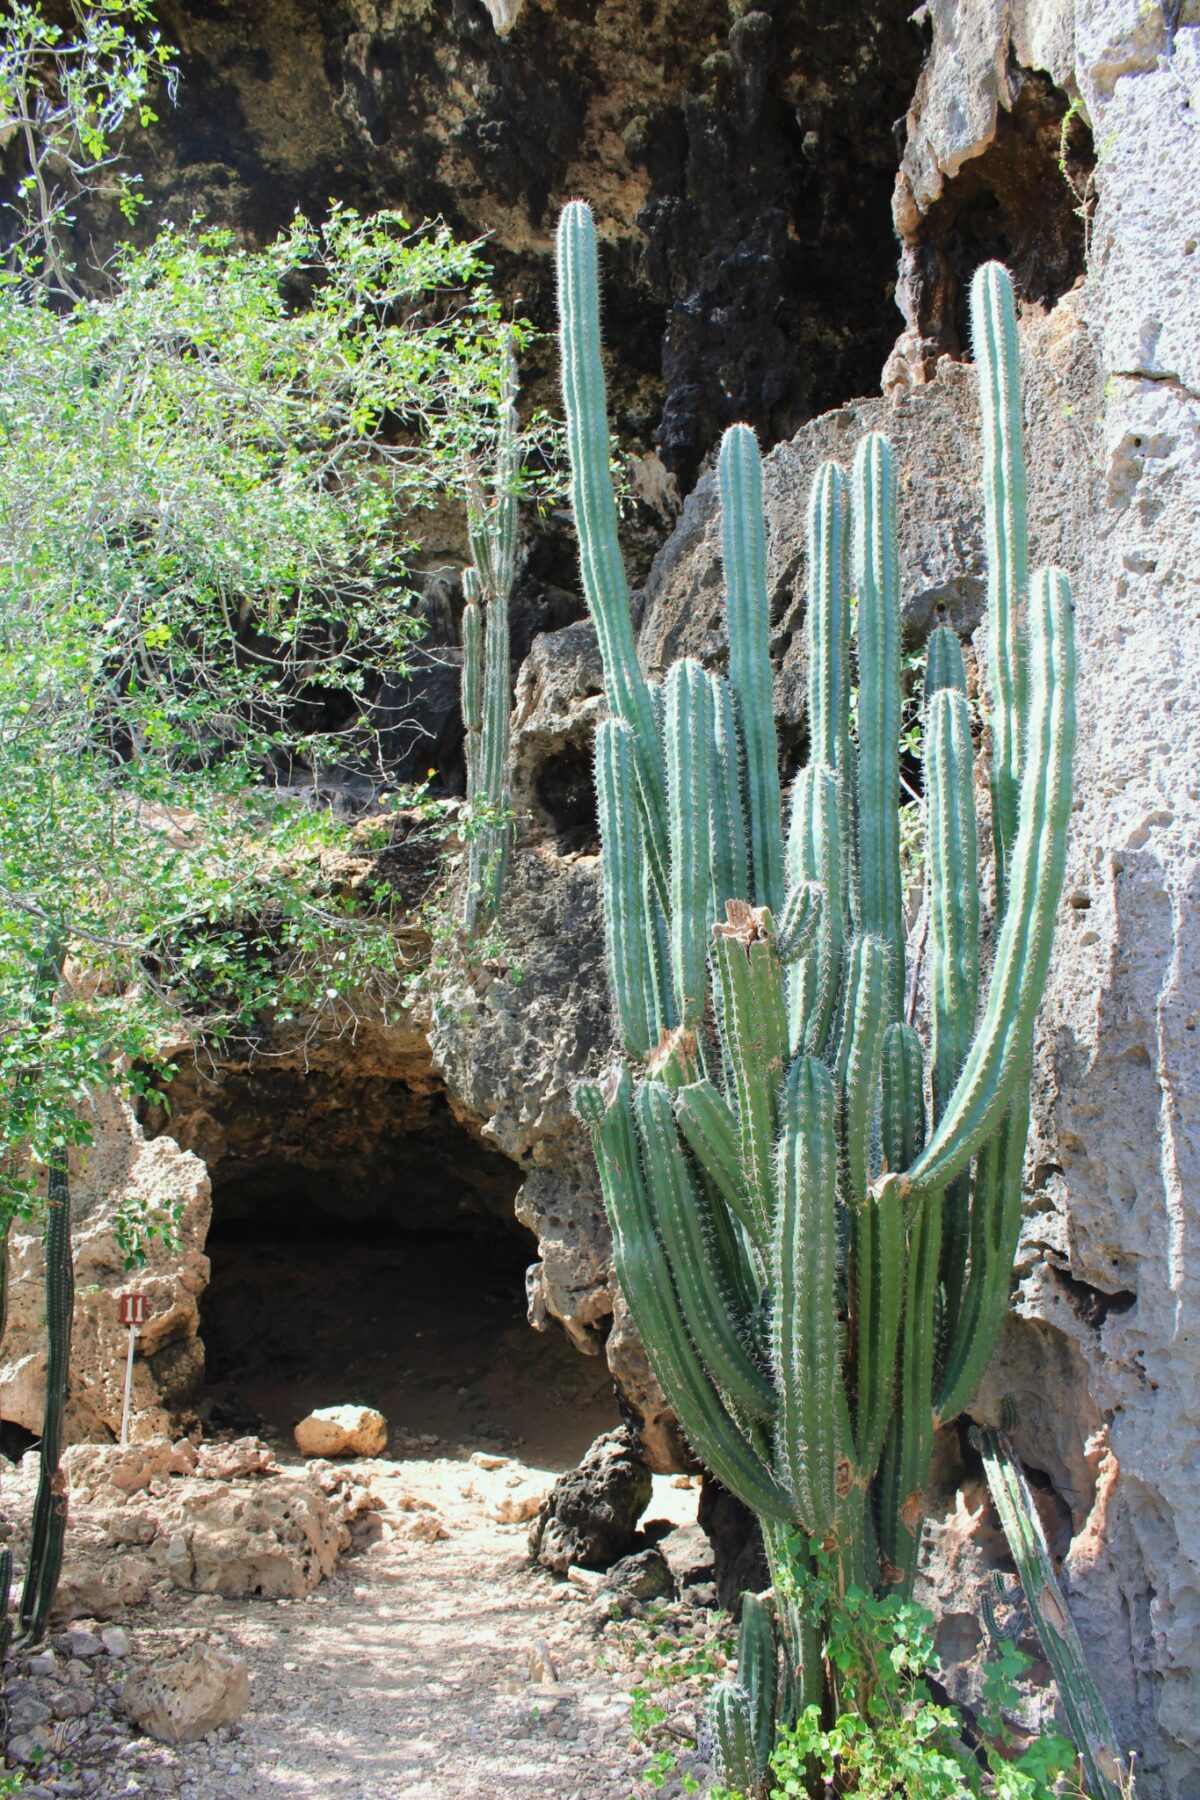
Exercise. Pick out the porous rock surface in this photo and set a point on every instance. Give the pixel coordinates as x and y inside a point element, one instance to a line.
<point>156,1515</point>
<point>188,1695</point>
<point>590,1517</point>
<point>342,1431</point>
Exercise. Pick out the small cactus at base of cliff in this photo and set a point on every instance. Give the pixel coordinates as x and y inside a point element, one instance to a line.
<point>814,1235</point>
<point>486,698</point>
<point>49,1522</point>
<point>1087,1716</point>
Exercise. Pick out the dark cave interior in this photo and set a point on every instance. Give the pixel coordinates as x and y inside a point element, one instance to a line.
<point>365,1250</point>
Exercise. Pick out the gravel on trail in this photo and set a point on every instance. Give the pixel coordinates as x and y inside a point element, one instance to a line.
<point>436,1664</point>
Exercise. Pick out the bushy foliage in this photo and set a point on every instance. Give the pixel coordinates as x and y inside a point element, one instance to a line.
<point>212,474</point>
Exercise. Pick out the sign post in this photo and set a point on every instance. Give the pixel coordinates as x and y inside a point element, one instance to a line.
<point>134,1311</point>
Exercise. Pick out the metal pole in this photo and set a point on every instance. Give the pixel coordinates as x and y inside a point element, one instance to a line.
<point>128,1389</point>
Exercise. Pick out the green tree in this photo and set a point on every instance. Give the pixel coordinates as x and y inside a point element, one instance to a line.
<point>210,481</point>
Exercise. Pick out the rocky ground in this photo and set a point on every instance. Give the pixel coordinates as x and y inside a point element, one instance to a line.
<point>435,1662</point>
<point>396,1639</point>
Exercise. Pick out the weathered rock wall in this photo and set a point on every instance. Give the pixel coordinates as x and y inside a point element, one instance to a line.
<point>1114,1218</point>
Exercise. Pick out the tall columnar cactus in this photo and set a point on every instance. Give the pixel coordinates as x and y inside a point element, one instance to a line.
<point>486,700</point>
<point>814,1204</point>
<point>50,1501</point>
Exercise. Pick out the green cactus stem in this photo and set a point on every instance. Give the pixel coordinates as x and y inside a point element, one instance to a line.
<point>1000,1052</point>
<point>50,1500</point>
<point>880,908</point>
<point>748,612</point>
<point>1005,514</point>
<point>1087,1716</point>
<point>486,698</point>
<point>594,505</point>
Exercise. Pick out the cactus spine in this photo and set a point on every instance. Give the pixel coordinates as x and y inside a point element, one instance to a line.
<point>818,1272</point>
<point>486,702</point>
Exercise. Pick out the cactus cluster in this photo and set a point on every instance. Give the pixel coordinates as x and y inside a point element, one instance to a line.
<point>814,1205</point>
<point>486,700</point>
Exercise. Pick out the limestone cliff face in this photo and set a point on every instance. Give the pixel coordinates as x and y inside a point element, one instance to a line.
<point>742,162</point>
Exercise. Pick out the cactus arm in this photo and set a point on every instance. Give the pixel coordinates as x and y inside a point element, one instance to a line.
<point>748,615</point>
<point>860,1051</point>
<point>799,922</point>
<point>689,732</point>
<point>815,854</point>
<point>472,716</point>
<point>595,511</point>
<point>711,1134</point>
<point>472,676</point>
<point>645,1278</point>
<point>904,1472</point>
<point>828,619</point>
<point>704,1286</point>
<point>758,1673</point>
<point>813,1439</point>
<point>731,876</point>
<point>877,584</point>
<point>944,665</point>
<point>876,1221</point>
<point>754,1031</point>
<point>953,896</point>
<point>997,355</point>
<point>995,1226</point>
<point>633,979</point>
<point>496,701</point>
<point>1001,1048</point>
<point>902,1080</point>
<point>731,1715</point>
<point>1091,1727</point>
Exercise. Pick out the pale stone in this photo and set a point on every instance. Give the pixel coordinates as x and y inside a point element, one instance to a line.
<point>541,1662</point>
<point>342,1431</point>
<point>187,1696</point>
<point>504,14</point>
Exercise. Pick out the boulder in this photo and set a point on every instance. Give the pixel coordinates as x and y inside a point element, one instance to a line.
<point>135,1524</point>
<point>591,1515</point>
<point>646,1575</point>
<point>187,1696</point>
<point>342,1431</point>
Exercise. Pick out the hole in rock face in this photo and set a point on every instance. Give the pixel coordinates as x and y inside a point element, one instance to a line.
<point>15,1440</point>
<point>365,1251</point>
<point>566,791</point>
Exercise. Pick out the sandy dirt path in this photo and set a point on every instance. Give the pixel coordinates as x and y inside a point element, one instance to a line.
<point>409,1676</point>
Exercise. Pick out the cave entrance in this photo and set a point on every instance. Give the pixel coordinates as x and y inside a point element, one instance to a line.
<point>365,1250</point>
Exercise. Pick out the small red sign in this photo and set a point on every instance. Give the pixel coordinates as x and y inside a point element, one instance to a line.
<point>135,1309</point>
